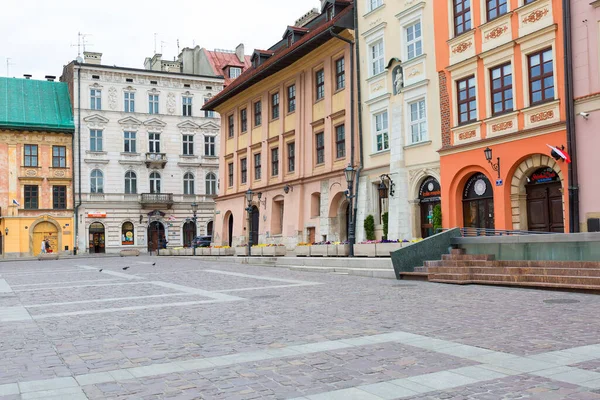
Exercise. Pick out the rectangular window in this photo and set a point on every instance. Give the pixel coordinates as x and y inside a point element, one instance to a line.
<point>234,72</point>
<point>501,89</point>
<point>154,142</point>
<point>496,8</point>
<point>187,106</point>
<point>188,145</point>
<point>95,140</point>
<point>230,174</point>
<point>207,113</point>
<point>129,142</point>
<point>340,141</point>
<point>320,147</point>
<point>291,90</point>
<point>320,84</point>
<point>31,197</point>
<point>377,58</point>
<point>230,126</point>
<point>541,77</point>
<point>291,149</point>
<point>59,197</point>
<point>96,99</point>
<point>373,4</point>
<point>152,104</point>
<point>257,167</point>
<point>244,120</point>
<point>462,16</point>
<point>381,131</point>
<point>209,146</point>
<point>257,113</point>
<point>275,105</point>
<point>59,157</point>
<point>275,161</point>
<point>244,170</point>
<point>340,74</point>
<point>129,101</point>
<point>467,104</point>
<point>418,121</point>
<point>30,155</point>
<point>414,42</point>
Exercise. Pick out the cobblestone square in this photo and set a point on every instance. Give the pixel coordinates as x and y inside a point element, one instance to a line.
<point>192,329</point>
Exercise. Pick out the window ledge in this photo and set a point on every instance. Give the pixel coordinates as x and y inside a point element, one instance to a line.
<point>290,113</point>
<point>99,153</point>
<point>379,153</point>
<point>188,156</point>
<point>130,154</point>
<point>211,157</point>
<point>467,125</point>
<point>417,144</point>
<point>379,75</point>
<point>541,105</point>
<point>373,11</point>
<point>339,90</point>
<point>413,60</point>
<point>319,100</point>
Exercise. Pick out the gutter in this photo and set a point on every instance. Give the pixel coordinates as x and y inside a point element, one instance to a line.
<point>571,134</point>
<point>76,208</point>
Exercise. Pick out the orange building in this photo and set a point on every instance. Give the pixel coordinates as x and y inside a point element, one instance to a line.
<point>501,76</point>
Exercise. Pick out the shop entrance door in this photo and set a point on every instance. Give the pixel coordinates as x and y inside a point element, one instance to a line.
<point>478,203</point>
<point>97,238</point>
<point>43,231</point>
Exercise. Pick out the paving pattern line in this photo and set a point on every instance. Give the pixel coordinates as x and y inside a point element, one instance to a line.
<point>200,292</point>
<point>46,272</point>
<point>113,273</point>
<point>81,286</point>
<point>65,282</point>
<point>258,277</point>
<point>267,287</point>
<point>67,303</point>
<point>5,287</point>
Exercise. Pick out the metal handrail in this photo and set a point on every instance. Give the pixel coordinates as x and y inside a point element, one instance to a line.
<point>473,232</point>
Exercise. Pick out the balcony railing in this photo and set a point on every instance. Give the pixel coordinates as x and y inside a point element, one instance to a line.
<point>156,159</point>
<point>157,199</point>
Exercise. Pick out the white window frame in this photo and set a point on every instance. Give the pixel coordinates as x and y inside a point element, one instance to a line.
<point>186,102</point>
<point>383,132</point>
<point>129,102</point>
<point>132,139</point>
<point>208,113</point>
<point>376,60</point>
<point>153,102</point>
<point>188,184</point>
<point>188,145</point>
<point>98,179</point>
<point>153,142</point>
<point>130,182</point>
<point>95,99</point>
<point>374,4</point>
<point>211,183</point>
<point>155,179</point>
<point>420,122</point>
<point>415,41</point>
<point>232,74</point>
<point>211,141</point>
<point>98,138</point>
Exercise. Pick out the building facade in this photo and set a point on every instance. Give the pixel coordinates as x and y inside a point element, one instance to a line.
<point>287,134</point>
<point>401,117</point>
<point>36,192</point>
<point>145,152</point>
<point>585,22</point>
<point>501,77</point>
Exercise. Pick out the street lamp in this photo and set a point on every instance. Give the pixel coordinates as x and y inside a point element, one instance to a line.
<point>349,173</point>
<point>384,189</point>
<point>249,195</point>
<point>194,207</point>
<point>488,157</point>
<point>6,231</point>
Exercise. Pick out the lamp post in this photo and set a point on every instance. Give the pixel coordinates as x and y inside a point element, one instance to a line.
<point>249,195</point>
<point>349,173</point>
<point>194,207</point>
<point>488,157</point>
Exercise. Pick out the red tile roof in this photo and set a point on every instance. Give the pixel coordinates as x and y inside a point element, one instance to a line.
<point>219,60</point>
<point>279,54</point>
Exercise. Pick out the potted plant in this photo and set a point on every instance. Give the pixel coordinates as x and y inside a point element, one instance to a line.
<point>365,249</point>
<point>385,247</point>
<point>241,251</point>
<point>319,250</point>
<point>302,249</point>
<point>256,250</point>
<point>273,250</point>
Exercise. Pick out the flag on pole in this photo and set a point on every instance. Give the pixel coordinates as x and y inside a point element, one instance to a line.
<point>16,203</point>
<point>560,153</point>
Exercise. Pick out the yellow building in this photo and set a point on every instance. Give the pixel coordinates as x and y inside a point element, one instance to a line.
<point>36,184</point>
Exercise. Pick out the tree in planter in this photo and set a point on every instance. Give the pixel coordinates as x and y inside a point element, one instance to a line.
<point>369,226</point>
<point>437,218</point>
<point>384,217</point>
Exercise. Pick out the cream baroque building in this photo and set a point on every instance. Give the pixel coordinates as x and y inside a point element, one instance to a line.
<point>143,153</point>
<point>400,116</point>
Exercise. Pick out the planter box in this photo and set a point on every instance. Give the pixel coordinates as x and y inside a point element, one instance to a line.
<point>241,251</point>
<point>384,249</point>
<point>364,250</point>
<point>221,252</point>
<point>129,253</point>
<point>188,251</point>
<point>165,252</point>
<point>274,251</point>
<point>343,250</point>
<point>302,251</point>
<point>318,250</point>
<point>256,251</point>
<point>203,251</point>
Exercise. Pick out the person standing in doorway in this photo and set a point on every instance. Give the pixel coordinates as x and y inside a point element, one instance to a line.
<point>43,249</point>
<point>47,242</point>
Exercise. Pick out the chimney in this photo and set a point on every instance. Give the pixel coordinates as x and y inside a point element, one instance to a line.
<point>92,58</point>
<point>50,78</point>
<point>306,18</point>
<point>239,52</point>
<point>27,76</point>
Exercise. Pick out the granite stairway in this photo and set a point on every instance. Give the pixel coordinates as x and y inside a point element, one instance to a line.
<point>460,268</point>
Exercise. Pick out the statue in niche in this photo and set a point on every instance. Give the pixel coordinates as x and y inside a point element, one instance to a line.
<point>398,79</point>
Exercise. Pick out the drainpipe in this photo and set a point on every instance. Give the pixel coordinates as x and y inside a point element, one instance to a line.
<point>359,99</point>
<point>76,211</point>
<point>571,134</point>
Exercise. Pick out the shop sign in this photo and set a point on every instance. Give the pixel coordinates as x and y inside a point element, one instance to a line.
<point>96,214</point>
<point>499,182</point>
<point>430,190</point>
<point>543,175</point>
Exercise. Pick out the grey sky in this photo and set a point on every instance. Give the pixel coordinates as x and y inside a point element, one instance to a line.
<point>37,34</point>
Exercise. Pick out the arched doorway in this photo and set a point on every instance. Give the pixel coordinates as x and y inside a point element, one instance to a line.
<point>209,228</point>
<point>43,231</point>
<point>544,201</point>
<point>156,236</point>
<point>97,238</point>
<point>189,233</point>
<point>230,230</point>
<point>254,224</point>
<point>478,203</point>
<point>429,197</point>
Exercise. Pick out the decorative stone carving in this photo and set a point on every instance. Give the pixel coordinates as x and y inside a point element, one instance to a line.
<point>112,98</point>
<point>59,174</point>
<point>171,103</point>
<point>496,32</point>
<point>398,79</point>
<point>502,126</point>
<point>462,47</point>
<point>467,135</point>
<point>31,172</point>
<point>535,15</point>
<point>542,116</point>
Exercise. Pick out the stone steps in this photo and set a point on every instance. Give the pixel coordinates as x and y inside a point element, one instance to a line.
<point>583,272</point>
<point>468,257</point>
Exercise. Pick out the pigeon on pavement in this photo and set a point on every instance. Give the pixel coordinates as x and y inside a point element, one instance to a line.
<point>125,268</point>
<point>153,263</point>
<point>100,270</point>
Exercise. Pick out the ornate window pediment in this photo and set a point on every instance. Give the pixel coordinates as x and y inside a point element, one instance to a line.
<point>155,124</point>
<point>95,120</point>
<point>209,126</point>
<point>188,125</point>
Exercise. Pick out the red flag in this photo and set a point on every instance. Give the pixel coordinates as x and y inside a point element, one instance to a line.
<point>561,153</point>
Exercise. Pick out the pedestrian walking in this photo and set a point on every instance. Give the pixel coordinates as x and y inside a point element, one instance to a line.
<point>48,248</point>
<point>43,249</point>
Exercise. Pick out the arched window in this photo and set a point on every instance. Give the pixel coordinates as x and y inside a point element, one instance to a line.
<point>188,183</point>
<point>209,228</point>
<point>127,231</point>
<point>211,184</point>
<point>96,181</point>
<point>130,182</point>
<point>155,182</point>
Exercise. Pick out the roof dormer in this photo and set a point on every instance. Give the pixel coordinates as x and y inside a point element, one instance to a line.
<point>260,56</point>
<point>294,33</point>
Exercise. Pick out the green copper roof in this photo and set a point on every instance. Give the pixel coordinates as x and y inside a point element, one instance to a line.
<point>29,104</point>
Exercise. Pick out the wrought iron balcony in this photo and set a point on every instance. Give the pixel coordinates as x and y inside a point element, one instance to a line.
<point>157,199</point>
<point>156,159</point>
